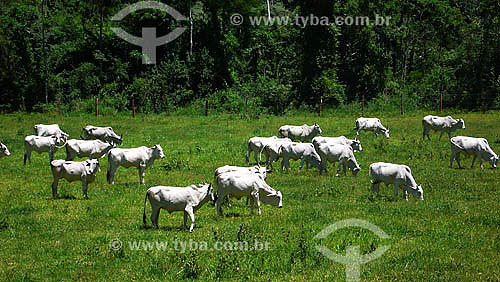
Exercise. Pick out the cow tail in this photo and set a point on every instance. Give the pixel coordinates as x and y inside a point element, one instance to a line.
<point>144,212</point>
<point>357,125</point>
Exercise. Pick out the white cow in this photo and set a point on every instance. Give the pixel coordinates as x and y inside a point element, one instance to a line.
<point>93,149</point>
<point>49,130</point>
<point>371,124</point>
<point>105,134</point>
<point>399,175</point>
<point>355,144</point>
<point>272,150</point>
<point>241,169</point>
<point>302,133</point>
<point>141,158</point>
<point>252,186</point>
<point>338,153</point>
<point>256,145</point>
<point>3,150</point>
<point>74,171</point>
<point>303,151</point>
<point>443,124</point>
<point>41,144</point>
<point>186,199</point>
<point>478,147</point>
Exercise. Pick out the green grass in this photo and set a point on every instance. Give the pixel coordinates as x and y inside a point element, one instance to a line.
<point>452,235</point>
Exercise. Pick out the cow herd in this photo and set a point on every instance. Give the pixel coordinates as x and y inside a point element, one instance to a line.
<point>233,181</point>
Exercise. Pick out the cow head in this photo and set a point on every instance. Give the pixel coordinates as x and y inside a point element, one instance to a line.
<point>3,150</point>
<point>417,192</point>
<point>92,166</point>
<point>356,145</point>
<point>317,129</point>
<point>275,198</point>
<point>459,124</point>
<point>493,160</point>
<point>386,133</point>
<point>158,151</point>
<point>353,166</point>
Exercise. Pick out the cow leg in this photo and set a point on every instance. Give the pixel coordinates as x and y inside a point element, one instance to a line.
<point>474,160</point>
<point>218,204</point>
<point>302,160</point>
<point>84,189</point>
<point>54,187</point>
<point>190,212</point>
<point>185,219</point>
<point>51,156</point>
<point>458,160</point>
<point>338,167</point>
<point>282,164</point>
<point>396,188</point>
<point>155,214</point>
<point>406,194</point>
<point>142,172</point>
<point>449,135</point>
<point>441,135</point>
<point>27,155</point>
<point>376,188</point>
<point>110,175</point>
<point>255,154</point>
<point>452,157</point>
<point>480,160</point>
<point>344,166</point>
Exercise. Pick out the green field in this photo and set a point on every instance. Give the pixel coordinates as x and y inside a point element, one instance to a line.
<point>452,235</point>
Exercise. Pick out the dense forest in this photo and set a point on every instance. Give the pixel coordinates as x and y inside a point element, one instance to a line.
<point>64,52</point>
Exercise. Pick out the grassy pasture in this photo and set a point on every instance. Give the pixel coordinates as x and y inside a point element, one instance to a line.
<point>452,235</point>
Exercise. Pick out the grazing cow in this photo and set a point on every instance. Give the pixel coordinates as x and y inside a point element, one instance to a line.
<point>443,124</point>
<point>338,152</point>
<point>256,144</point>
<point>355,144</point>
<point>141,158</point>
<point>41,144</point>
<point>302,133</point>
<point>93,149</point>
<point>478,147</point>
<point>371,124</point>
<point>399,175</point>
<point>105,134</point>
<point>187,199</point>
<point>74,171</point>
<point>49,130</point>
<point>241,169</point>
<point>272,151</point>
<point>303,151</point>
<point>251,186</point>
<point>3,150</point>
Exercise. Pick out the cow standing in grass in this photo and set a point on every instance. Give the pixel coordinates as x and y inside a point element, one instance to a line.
<point>4,151</point>
<point>338,153</point>
<point>304,152</point>
<point>256,145</point>
<point>443,124</point>
<point>478,147</point>
<point>50,130</point>
<point>399,175</point>
<point>272,151</point>
<point>371,124</point>
<point>186,199</point>
<point>303,133</point>
<point>252,186</point>
<point>41,144</point>
<point>93,149</point>
<point>355,144</point>
<point>85,172</point>
<point>105,134</point>
<point>141,158</point>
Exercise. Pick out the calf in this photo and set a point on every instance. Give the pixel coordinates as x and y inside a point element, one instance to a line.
<point>256,144</point>
<point>371,124</point>
<point>478,147</point>
<point>443,124</point>
<point>355,144</point>
<point>303,151</point>
<point>399,175</point>
<point>187,199</point>
<point>338,152</point>
<point>49,130</point>
<point>74,171</point>
<point>141,158</point>
<point>303,133</point>
<point>105,134</point>
<point>41,144</point>
<point>93,149</point>
<point>3,150</point>
<point>251,186</point>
